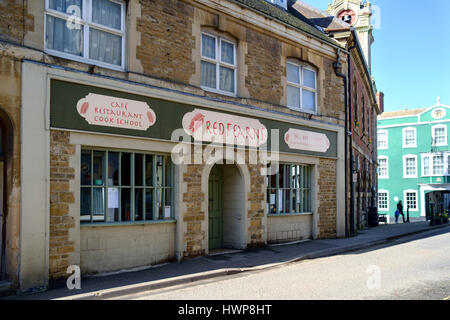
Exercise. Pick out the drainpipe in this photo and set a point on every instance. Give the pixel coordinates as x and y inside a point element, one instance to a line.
<point>348,133</point>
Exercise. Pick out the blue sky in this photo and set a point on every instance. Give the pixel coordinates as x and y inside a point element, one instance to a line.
<point>411,52</point>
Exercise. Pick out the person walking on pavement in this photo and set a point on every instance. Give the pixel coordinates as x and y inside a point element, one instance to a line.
<point>400,209</point>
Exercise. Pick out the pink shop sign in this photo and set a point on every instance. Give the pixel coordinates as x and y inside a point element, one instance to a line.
<point>307,140</point>
<point>115,112</point>
<point>210,126</point>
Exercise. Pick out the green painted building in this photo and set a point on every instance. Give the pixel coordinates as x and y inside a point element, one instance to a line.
<point>414,160</point>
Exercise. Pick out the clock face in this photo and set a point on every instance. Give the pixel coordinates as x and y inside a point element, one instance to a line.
<point>438,113</point>
<point>348,16</point>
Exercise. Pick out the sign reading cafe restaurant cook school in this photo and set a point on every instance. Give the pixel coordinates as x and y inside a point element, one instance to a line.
<point>77,106</point>
<point>109,111</point>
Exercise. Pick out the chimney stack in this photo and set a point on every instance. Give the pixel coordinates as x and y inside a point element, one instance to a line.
<point>380,101</point>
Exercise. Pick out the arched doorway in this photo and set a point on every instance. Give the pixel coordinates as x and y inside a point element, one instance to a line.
<point>226,208</point>
<point>5,153</point>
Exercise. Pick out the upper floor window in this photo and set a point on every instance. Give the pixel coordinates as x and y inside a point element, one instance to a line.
<point>382,139</point>
<point>91,31</point>
<point>439,135</point>
<point>410,166</point>
<point>383,167</point>
<point>301,87</point>
<point>218,65</point>
<point>409,138</point>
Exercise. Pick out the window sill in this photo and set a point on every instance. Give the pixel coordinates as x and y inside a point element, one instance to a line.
<point>83,60</point>
<point>289,214</point>
<point>125,224</point>
<point>302,110</point>
<point>225,93</point>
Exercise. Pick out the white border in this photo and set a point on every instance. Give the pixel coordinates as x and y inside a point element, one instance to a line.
<point>404,137</point>
<point>405,203</point>
<point>408,156</point>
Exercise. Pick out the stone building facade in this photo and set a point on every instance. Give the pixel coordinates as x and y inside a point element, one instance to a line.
<point>90,121</point>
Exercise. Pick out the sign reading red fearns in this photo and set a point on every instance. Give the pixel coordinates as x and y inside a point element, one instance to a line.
<point>210,126</point>
<point>115,112</point>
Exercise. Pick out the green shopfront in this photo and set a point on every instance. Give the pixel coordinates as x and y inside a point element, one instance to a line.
<point>129,175</point>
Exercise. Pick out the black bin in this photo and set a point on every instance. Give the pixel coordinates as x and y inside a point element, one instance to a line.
<point>373,217</point>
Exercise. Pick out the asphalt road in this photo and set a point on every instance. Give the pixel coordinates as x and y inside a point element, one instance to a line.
<point>413,268</point>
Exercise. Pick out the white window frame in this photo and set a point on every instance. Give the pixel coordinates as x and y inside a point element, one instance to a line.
<point>405,202</point>
<point>404,137</point>
<point>433,134</point>
<point>387,200</point>
<point>409,156</point>
<point>218,62</point>
<point>443,164</point>
<point>300,86</point>
<point>430,165</point>
<point>86,23</point>
<point>385,147</point>
<point>387,167</point>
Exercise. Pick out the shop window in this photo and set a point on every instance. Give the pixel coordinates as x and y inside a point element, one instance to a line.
<point>121,186</point>
<point>289,191</point>
<point>90,31</point>
<point>218,64</point>
<point>301,87</point>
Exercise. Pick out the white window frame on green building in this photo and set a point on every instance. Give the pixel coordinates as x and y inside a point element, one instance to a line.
<point>382,144</point>
<point>405,200</point>
<point>387,167</point>
<point>405,140</point>
<point>405,166</point>
<point>433,134</point>
<point>386,200</point>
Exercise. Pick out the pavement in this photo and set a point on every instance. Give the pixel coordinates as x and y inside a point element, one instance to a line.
<point>113,286</point>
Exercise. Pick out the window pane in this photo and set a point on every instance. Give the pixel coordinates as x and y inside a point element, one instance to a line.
<point>138,169</point>
<point>125,172</point>
<point>149,204</point>
<point>293,97</point>
<point>159,171</point>
<point>208,75</point>
<point>71,7</point>
<point>226,79</point>
<point>426,166</point>
<point>105,47</point>
<point>63,36</point>
<point>98,204</point>
<point>126,204</point>
<point>308,100</point>
<point>85,208</point>
<point>227,51</point>
<point>148,170</point>
<point>168,204</point>
<point>293,73</point>
<point>99,168</point>
<point>309,78</point>
<point>208,46</point>
<point>168,173</point>
<point>85,167</point>
<point>438,165</point>
<point>113,169</point>
<point>107,13</point>
<point>159,204</point>
<point>138,201</point>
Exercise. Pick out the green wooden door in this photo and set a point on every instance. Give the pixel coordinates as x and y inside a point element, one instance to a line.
<point>215,208</point>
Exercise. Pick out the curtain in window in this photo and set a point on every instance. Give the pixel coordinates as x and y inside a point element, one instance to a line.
<point>63,5</point>
<point>226,79</point>
<point>208,47</point>
<point>309,78</point>
<point>208,75</point>
<point>293,73</point>
<point>293,97</point>
<point>61,38</point>
<point>227,51</point>
<point>107,13</point>
<point>105,47</point>
<point>308,100</point>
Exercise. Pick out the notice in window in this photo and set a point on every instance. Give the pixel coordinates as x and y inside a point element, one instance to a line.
<point>167,212</point>
<point>272,198</point>
<point>113,198</point>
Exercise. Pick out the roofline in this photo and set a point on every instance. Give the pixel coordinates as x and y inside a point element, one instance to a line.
<point>333,43</point>
<point>418,114</point>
